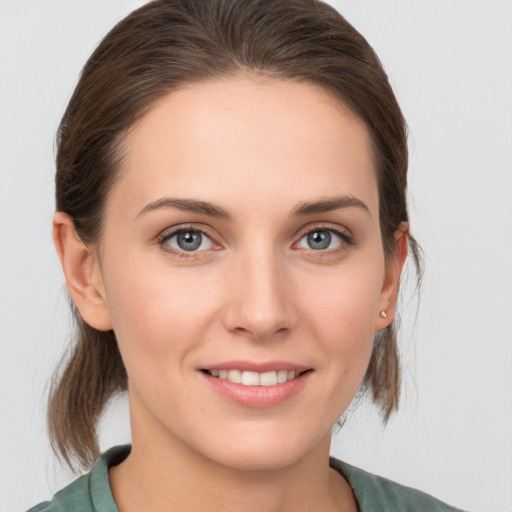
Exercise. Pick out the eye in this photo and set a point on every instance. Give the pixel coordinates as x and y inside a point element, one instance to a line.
<point>189,240</point>
<point>322,239</point>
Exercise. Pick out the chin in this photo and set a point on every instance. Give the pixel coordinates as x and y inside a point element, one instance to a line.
<point>252,461</point>
<point>265,451</point>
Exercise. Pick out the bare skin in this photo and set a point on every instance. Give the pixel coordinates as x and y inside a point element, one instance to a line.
<point>275,181</point>
<point>292,489</point>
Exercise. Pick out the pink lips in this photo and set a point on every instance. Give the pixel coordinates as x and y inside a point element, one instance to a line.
<point>259,367</point>
<point>258,396</point>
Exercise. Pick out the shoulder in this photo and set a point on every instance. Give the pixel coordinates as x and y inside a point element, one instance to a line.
<point>91,492</point>
<point>75,497</point>
<point>378,494</point>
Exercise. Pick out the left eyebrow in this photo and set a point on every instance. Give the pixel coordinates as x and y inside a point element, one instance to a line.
<point>328,204</point>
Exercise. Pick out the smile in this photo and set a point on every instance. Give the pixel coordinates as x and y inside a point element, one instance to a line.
<point>251,378</point>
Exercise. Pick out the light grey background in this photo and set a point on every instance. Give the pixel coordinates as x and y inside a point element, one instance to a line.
<point>450,62</point>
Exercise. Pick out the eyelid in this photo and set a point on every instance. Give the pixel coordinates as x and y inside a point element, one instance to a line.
<point>169,232</point>
<point>346,240</point>
<point>343,233</point>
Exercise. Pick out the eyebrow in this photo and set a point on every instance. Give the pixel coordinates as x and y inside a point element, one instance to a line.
<point>328,204</point>
<point>187,205</point>
<point>321,205</point>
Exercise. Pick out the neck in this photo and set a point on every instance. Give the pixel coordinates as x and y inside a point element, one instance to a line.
<point>163,474</point>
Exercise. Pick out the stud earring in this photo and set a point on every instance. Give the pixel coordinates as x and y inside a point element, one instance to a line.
<point>383,314</point>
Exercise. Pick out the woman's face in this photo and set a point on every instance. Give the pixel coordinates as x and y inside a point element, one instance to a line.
<point>242,243</point>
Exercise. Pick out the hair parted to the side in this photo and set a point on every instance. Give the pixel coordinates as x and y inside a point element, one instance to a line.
<point>156,49</point>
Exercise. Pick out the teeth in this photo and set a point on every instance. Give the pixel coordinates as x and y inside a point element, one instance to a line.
<point>282,376</point>
<point>250,379</point>
<point>268,379</point>
<point>254,378</point>
<point>235,376</point>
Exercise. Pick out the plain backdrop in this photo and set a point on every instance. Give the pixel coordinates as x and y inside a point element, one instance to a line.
<point>450,62</point>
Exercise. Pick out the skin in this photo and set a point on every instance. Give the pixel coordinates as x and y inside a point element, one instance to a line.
<point>259,149</point>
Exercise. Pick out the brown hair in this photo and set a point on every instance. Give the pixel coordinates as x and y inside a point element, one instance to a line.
<point>154,50</point>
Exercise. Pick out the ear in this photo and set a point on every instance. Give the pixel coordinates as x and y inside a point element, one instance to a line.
<point>389,292</point>
<point>83,274</point>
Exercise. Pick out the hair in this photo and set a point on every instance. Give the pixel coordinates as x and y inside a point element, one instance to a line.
<point>170,43</point>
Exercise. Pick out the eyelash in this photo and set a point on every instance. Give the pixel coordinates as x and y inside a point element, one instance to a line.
<point>162,240</point>
<point>346,239</point>
<point>166,236</point>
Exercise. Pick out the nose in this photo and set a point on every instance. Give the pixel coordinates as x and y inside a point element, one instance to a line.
<point>260,302</point>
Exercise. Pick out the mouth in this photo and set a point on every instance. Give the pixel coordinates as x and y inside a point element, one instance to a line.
<point>257,384</point>
<point>252,378</point>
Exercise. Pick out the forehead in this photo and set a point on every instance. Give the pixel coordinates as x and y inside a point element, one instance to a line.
<point>223,139</point>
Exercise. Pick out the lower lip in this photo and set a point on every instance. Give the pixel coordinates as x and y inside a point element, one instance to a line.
<point>258,396</point>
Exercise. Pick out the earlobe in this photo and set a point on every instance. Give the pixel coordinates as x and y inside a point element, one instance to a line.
<point>82,272</point>
<point>389,293</point>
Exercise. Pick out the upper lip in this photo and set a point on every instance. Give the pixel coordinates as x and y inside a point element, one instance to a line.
<point>254,366</point>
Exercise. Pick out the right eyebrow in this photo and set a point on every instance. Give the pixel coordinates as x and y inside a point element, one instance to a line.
<point>186,205</point>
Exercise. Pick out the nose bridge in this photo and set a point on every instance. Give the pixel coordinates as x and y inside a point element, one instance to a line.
<point>259,301</point>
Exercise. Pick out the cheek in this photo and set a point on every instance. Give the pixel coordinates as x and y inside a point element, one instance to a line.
<point>349,297</point>
<point>341,311</point>
<point>155,311</point>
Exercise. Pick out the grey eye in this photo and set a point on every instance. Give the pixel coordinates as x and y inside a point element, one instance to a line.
<point>320,239</point>
<point>189,241</point>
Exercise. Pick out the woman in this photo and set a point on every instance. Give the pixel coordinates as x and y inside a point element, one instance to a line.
<point>232,224</point>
